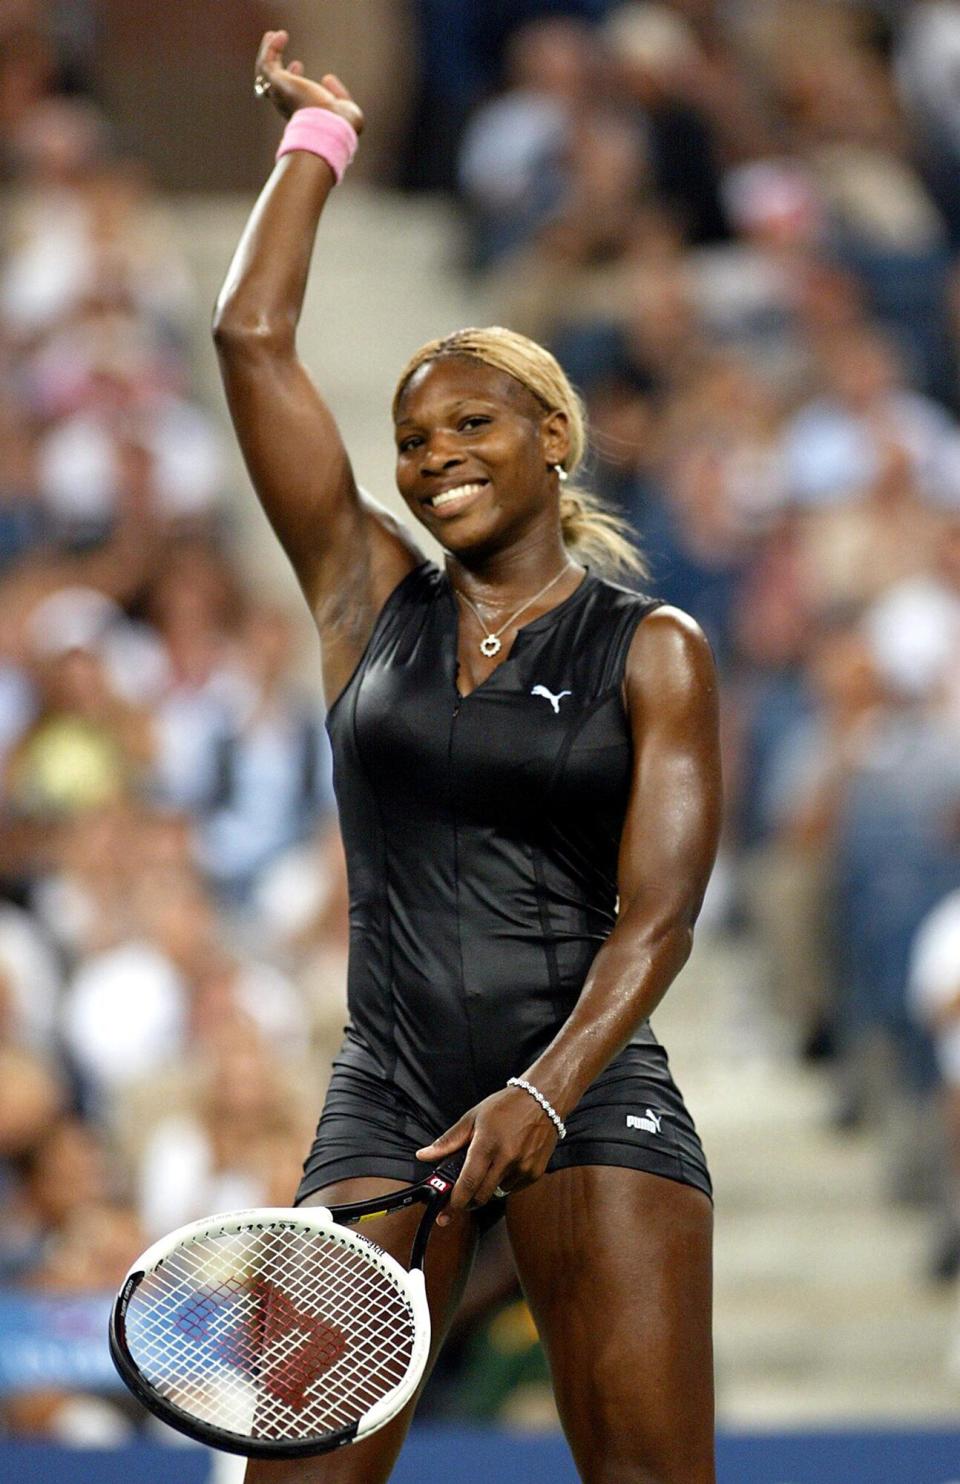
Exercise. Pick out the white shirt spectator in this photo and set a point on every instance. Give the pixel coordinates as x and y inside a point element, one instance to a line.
<point>79,471</point>
<point>271,801</point>
<point>125,1012</point>
<point>832,455</point>
<point>178,1183</point>
<point>32,974</point>
<point>43,279</point>
<point>934,983</point>
<point>506,143</point>
<point>914,634</point>
<point>928,64</point>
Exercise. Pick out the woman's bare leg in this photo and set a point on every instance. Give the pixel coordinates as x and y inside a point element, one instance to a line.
<point>616,1266</point>
<point>449,1257</point>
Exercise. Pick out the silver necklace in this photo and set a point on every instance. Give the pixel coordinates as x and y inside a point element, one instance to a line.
<point>490,644</point>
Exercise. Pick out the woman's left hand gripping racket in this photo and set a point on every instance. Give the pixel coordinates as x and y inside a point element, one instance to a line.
<point>279,1333</point>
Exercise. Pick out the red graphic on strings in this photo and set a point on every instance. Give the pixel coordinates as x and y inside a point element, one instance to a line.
<point>322,1346</point>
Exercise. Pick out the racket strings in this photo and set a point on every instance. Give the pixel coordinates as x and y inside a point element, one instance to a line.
<point>271,1334</point>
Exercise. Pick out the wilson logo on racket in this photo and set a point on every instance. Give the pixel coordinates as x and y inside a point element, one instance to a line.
<point>270,1320</point>
<point>289,1377</point>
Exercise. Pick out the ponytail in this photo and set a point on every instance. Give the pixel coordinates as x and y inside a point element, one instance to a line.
<point>603,539</point>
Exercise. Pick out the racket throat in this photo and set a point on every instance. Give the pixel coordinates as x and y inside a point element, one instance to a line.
<point>424,1230</point>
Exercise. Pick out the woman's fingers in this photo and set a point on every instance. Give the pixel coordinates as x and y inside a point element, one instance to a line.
<point>270,55</point>
<point>449,1142</point>
<point>289,88</point>
<point>473,1179</point>
<point>331,80</point>
<point>490,1184</point>
<point>454,1138</point>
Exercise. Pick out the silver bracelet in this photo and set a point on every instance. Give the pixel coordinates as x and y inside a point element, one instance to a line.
<point>547,1107</point>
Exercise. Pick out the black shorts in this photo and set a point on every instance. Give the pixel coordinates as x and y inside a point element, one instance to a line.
<point>632,1115</point>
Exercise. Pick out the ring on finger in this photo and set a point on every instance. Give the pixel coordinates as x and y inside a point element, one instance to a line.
<point>261,85</point>
<point>500,1193</point>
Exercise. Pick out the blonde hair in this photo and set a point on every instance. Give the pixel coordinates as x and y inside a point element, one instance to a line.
<point>589,530</point>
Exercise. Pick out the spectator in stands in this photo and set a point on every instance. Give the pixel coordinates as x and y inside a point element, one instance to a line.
<point>301,916</point>
<point>32,1095</point>
<point>89,1254</point>
<point>82,898</point>
<point>792,868</point>
<point>655,55</point>
<point>568,269</point>
<point>32,979</point>
<point>67,1167</point>
<point>273,764</point>
<point>928,54</point>
<point>233,1142</point>
<point>914,627</point>
<point>85,747</point>
<point>194,604</point>
<point>514,162</point>
<point>175,954</point>
<point>836,443</point>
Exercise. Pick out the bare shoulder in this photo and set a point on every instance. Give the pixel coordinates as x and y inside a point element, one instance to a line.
<point>670,663</point>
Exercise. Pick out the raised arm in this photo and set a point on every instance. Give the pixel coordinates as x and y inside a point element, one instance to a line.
<point>348,553</point>
<point>666,855</point>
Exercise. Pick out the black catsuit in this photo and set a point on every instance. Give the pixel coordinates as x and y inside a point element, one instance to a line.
<point>482,836</point>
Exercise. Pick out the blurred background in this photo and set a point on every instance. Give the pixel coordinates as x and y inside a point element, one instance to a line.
<point>738,226</point>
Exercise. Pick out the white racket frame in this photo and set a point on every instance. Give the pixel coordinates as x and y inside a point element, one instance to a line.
<point>309,1220</point>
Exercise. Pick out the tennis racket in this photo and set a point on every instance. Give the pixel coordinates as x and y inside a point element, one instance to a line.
<point>279,1333</point>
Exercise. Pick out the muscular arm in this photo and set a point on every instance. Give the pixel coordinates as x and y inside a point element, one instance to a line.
<point>666,855</point>
<point>346,552</point>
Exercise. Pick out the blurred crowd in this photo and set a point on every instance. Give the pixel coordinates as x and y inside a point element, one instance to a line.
<point>172,919</point>
<point>745,252</point>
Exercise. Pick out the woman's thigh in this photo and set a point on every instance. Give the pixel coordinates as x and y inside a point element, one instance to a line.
<point>449,1257</point>
<point>616,1266</point>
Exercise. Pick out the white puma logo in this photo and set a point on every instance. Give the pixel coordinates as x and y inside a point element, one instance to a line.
<point>541,690</point>
<point>651,1122</point>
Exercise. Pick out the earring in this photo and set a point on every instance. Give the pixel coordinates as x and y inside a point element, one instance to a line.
<point>560,472</point>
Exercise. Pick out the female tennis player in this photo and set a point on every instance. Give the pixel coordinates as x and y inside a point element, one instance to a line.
<point>526,766</point>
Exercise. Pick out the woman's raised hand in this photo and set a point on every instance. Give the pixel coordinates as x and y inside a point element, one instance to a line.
<point>288,89</point>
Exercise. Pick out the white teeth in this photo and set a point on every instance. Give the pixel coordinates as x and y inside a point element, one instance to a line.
<point>455,494</point>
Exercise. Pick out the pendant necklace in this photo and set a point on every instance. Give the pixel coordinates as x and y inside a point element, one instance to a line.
<point>490,644</point>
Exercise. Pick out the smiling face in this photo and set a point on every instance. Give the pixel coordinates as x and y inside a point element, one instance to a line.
<point>475,451</point>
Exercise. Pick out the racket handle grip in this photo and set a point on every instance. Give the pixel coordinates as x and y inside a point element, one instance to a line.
<point>450,1167</point>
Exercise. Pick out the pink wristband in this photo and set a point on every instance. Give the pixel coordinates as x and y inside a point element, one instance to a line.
<point>323,133</point>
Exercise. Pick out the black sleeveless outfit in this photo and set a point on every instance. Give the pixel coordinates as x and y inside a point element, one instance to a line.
<point>481,836</point>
